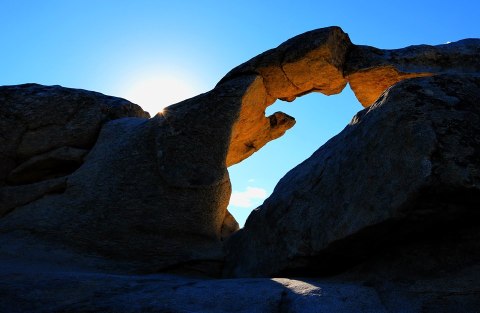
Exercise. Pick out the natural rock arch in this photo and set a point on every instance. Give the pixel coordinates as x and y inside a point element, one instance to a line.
<point>306,63</point>
<point>148,186</point>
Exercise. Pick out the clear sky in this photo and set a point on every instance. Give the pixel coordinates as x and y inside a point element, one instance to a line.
<point>155,53</point>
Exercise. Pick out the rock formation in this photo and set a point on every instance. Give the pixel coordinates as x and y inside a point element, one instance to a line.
<point>45,133</point>
<point>403,169</point>
<point>310,62</point>
<point>370,71</point>
<point>144,189</point>
<point>90,183</point>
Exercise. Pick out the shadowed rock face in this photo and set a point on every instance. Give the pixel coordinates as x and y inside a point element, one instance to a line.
<point>150,194</point>
<point>45,132</point>
<point>36,120</point>
<point>149,186</point>
<point>90,180</point>
<point>405,169</point>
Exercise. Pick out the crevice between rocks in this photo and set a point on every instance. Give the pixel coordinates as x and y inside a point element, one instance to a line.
<point>284,302</point>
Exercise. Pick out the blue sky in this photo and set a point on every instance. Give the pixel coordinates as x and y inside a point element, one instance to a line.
<point>159,52</point>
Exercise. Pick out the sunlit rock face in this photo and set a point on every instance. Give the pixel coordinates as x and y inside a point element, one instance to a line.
<point>370,71</point>
<point>309,62</point>
<point>325,60</point>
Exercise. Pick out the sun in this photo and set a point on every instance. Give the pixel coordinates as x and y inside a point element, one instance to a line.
<point>155,92</point>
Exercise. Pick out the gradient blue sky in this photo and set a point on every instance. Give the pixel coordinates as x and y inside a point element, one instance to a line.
<point>156,53</point>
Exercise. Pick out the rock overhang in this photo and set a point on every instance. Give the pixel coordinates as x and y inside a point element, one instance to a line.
<point>191,145</point>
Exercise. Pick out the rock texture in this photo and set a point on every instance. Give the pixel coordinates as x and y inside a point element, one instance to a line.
<point>405,280</point>
<point>163,293</point>
<point>370,71</point>
<point>406,168</point>
<point>312,61</point>
<point>325,60</point>
<point>36,120</point>
<point>146,188</point>
<point>45,132</point>
<point>40,290</point>
<point>149,186</point>
<point>93,190</point>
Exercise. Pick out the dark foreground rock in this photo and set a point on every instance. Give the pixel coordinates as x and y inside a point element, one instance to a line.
<point>94,193</point>
<point>45,133</point>
<point>82,292</point>
<point>150,194</point>
<point>405,169</point>
<point>405,280</point>
<point>38,290</point>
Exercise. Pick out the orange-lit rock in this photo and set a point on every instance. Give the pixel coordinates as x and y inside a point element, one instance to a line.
<point>252,130</point>
<point>370,83</point>
<point>324,60</point>
<point>370,71</point>
<point>310,62</point>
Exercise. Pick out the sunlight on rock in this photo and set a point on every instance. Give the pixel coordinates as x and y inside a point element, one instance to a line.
<point>299,287</point>
<point>98,201</point>
<point>153,93</point>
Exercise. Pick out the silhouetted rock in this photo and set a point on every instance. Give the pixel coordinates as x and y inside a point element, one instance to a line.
<point>386,285</point>
<point>88,292</point>
<point>36,120</point>
<point>388,208</point>
<point>405,168</point>
<point>151,194</point>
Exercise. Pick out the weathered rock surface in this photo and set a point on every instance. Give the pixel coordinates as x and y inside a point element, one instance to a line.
<point>149,186</point>
<point>54,163</point>
<point>312,61</point>
<point>151,194</point>
<point>388,208</point>
<point>93,292</point>
<point>406,168</point>
<point>370,71</point>
<point>39,290</point>
<point>325,60</point>
<point>36,120</point>
<point>405,280</point>
<point>44,133</point>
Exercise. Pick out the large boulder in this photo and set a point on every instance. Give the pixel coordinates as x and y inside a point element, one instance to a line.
<point>152,194</point>
<point>36,119</point>
<point>89,180</point>
<point>403,170</point>
<point>92,189</point>
<point>45,133</point>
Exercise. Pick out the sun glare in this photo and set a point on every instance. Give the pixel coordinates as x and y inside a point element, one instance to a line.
<point>153,94</point>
